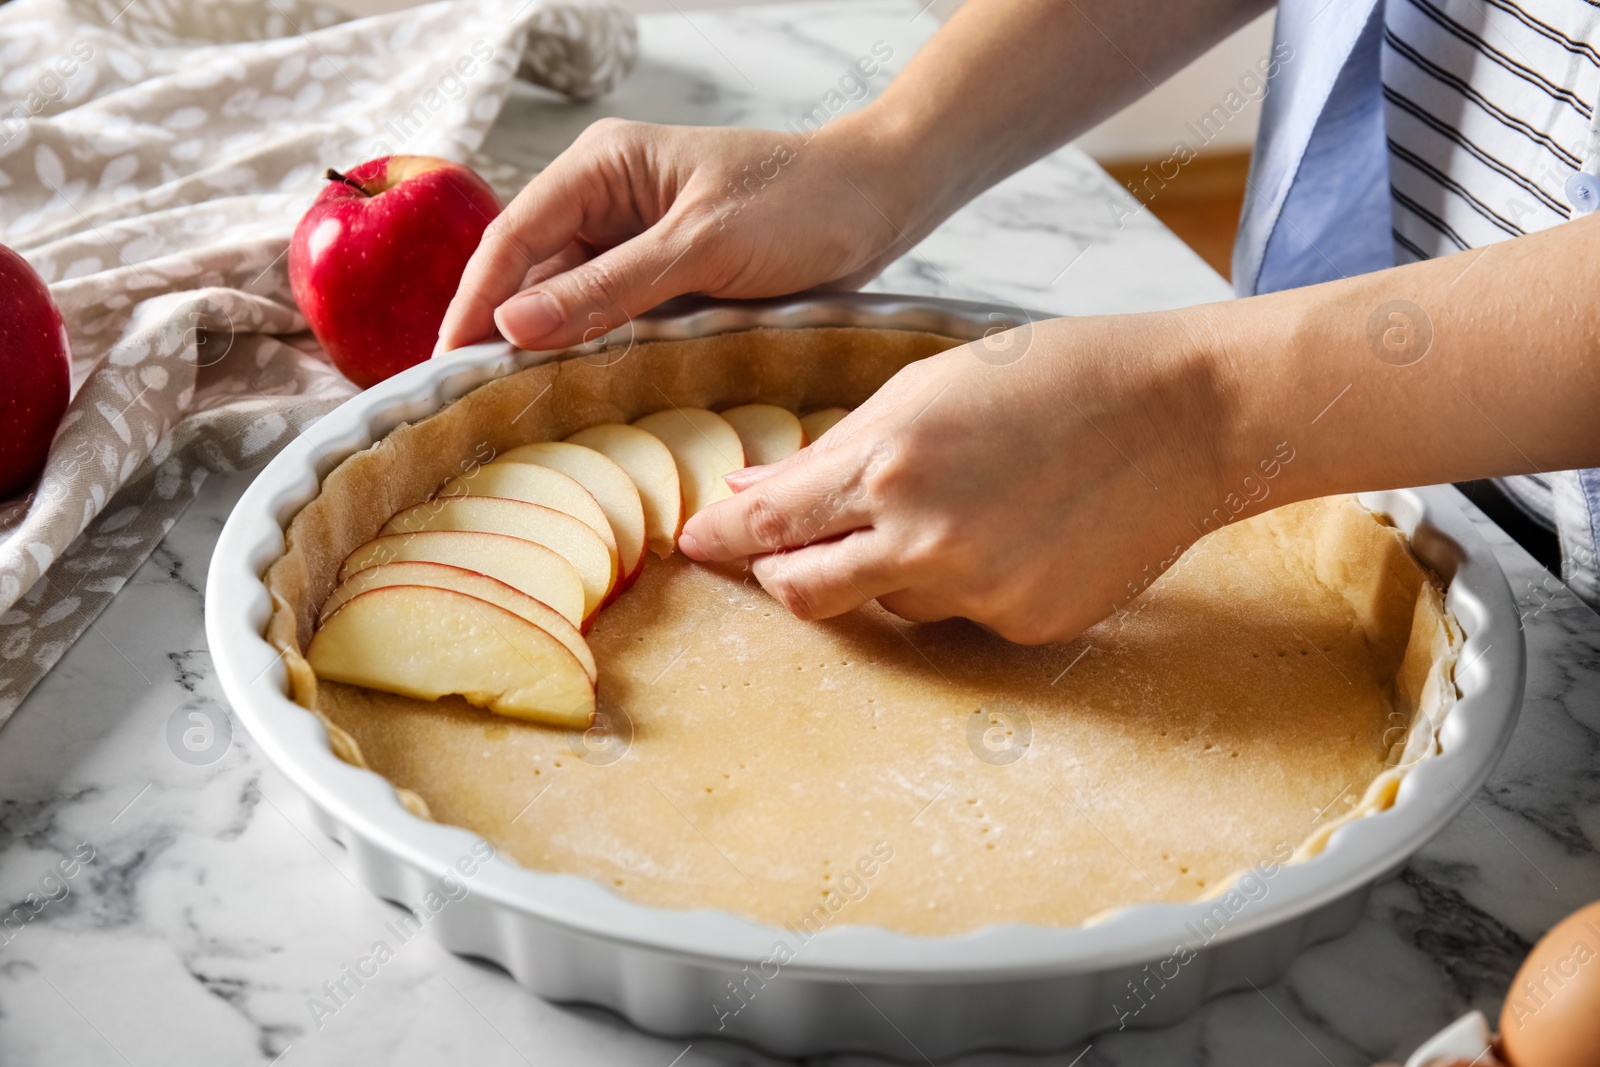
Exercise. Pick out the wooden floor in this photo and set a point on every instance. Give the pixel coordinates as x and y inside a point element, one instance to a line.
<point>1200,204</point>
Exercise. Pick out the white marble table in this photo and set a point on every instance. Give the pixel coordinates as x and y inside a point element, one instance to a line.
<point>212,910</point>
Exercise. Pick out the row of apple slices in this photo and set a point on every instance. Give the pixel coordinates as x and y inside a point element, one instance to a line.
<point>487,589</point>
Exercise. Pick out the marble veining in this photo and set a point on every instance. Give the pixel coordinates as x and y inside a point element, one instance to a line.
<point>211,916</point>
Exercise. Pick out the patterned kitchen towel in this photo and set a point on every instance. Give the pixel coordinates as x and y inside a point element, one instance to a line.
<point>155,156</point>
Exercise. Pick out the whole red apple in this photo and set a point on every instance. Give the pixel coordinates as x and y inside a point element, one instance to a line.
<point>35,373</point>
<point>376,260</point>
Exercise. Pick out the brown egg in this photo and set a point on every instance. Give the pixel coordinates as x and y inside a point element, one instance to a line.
<point>1552,1011</point>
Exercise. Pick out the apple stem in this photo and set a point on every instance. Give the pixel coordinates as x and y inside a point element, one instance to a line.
<point>335,176</point>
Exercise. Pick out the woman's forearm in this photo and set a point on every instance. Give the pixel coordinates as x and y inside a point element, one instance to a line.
<point>1479,364</point>
<point>1006,82</point>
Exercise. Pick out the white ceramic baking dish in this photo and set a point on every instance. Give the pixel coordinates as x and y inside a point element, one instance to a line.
<point>850,987</point>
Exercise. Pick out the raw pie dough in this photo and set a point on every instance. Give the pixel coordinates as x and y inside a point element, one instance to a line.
<point>1276,683</point>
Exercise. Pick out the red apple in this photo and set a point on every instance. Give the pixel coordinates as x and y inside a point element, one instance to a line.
<point>376,260</point>
<point>35,373</point>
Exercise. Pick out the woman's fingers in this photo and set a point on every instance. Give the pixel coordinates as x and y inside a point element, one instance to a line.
<point>597,296</point>
<point>745,477</point>
<point>830,578</point>
<point>575,254</point>
<point>538,224</point>
<point>813,498</point>
<point>647,208</point>
<point>915,605</point>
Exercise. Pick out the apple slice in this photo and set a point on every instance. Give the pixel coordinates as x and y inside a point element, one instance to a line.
<point>423,642</point>
<point>610,486</point>
<point>555,530</point>
<point>444,576</point>
<point>820,422</point>
<point>654,473</point>
<point>769,433</point>
<point>536,485</point>
<point>528,568</point>
<point>705,448</point>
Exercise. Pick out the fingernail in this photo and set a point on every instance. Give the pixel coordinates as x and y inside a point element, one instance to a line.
<point>528,317</point>
<point>690,547</point>
<point>745,477</point>
<point>438,349</point>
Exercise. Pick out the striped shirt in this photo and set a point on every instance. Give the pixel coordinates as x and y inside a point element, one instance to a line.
<point>1487,108</point>
<point>1399,130</point>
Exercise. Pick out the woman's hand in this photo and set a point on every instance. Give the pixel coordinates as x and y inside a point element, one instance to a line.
<point>634,214</point>
<point>1036,492</point>
<point>1032,493</point>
